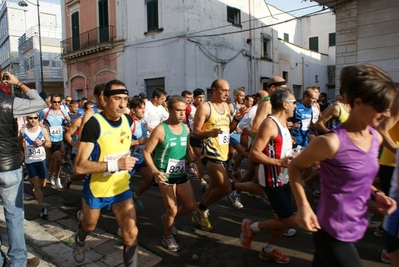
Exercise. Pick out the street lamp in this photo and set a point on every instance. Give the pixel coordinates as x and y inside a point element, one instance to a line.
<point>25,4</point>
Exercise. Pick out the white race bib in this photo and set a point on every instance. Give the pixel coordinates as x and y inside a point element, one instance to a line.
<point>305,124</point>
<point>224,138</point>
<point>34,151</point>
<point>138,149</point>
<point>55,130</point>
<point>176,166</point>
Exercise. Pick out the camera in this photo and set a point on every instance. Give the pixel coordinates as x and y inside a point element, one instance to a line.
<point>5,77</point>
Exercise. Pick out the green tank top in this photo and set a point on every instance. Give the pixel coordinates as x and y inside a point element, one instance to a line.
<point>170,156</point>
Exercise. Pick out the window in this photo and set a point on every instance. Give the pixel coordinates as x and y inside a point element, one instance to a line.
<point>151,84</point>
<point>103,20</point>
<point>152,15</point>
<point>285,76</point>
<point>331,39</point>
<point>234,15</point>
<point>314,44</point>
<point>286,37</point>
<point>266,47</point>
<point>297,91</point>
<point>209,93</point>
<point>46,63</point>
<point>75,31</point>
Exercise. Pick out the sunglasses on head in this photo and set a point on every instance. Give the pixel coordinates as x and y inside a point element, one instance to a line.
<point>56,102</point>
<point>32,118</point>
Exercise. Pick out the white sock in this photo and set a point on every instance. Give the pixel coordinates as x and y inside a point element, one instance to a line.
<point>254,227</point>
<point>268,248</point>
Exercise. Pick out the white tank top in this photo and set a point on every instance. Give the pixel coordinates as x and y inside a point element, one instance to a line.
<point>32,153</point>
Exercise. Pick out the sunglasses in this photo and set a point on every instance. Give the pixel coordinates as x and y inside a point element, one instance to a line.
<point>32,118</point>
<point>56,102</point>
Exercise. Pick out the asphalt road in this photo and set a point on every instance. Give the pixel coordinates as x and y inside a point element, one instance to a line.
<point>221,247</point>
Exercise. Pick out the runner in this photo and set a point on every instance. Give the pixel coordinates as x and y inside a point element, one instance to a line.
<point>170,142</point>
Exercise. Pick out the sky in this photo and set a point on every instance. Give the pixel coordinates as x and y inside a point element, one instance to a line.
<point>290,5</point>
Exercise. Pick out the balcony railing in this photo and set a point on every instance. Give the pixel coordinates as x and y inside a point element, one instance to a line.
<point>48,74</point>
<point>88,39</point>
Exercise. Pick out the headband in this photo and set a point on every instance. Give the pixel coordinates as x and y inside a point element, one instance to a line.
<point>116,92</point>
<point>277,84</point>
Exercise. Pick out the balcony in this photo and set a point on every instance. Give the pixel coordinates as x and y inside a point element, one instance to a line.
<point>93,41</point>
<point>49,74</point>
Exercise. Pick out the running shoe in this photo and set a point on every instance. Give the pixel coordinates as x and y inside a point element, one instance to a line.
<point>58,184</point>
<point>78,251</point>
<point>204,186</point>
<point>137,202</point>
<point>174,229</point>
<point>170,243</point>
<point>80,215</point>
<point>43,212</point>
<point>119,233</point>
<point>275,255</point>
<point>379,231</point>
<point>201,217</point>
<point>289,232</point>
<point>52,180</point>
<point>235,201</point>
<point>385,256</point>
<point>247,235</point>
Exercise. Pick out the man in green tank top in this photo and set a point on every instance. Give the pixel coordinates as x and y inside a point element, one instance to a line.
<point>169,140</point>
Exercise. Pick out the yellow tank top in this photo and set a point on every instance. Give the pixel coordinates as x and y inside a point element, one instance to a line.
<point>113,143</point>
<point>217,148</point>
<point>387,157</point>
<point>343,114</point>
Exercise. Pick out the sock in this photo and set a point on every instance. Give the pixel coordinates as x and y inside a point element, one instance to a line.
<point>268,248</point>
<point>82,235</point>
<point>254,227</point>
<point>202,207</point>
<point>130,256</point>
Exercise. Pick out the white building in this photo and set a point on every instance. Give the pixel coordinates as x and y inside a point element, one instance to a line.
<point>182,45</point>
<point>367,32</point>
<point>19,43</point>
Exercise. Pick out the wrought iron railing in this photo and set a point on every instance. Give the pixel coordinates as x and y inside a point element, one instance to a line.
<point>87,39</point>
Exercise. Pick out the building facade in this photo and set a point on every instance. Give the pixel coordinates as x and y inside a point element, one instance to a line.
<point>367,33</point>
<point>19,44</point>
<point>183,45</point>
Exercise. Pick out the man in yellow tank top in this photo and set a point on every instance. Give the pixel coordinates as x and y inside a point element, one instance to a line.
<point>103,155</point>
<point>212,125</point>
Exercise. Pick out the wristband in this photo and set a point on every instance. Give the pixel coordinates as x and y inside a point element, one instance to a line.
<point>112,166</point>
<point>234,119</point>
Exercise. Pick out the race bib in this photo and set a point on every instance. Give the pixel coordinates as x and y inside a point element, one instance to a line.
<point>138,149</point>
<point>176,166</point>
<point>224,138</point>
<point>55,130</point>
<point>305,124</point>
<point>34,151</point>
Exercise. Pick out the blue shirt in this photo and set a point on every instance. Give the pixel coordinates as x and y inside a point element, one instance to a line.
<point>53,121</point>
<point>303,115</point>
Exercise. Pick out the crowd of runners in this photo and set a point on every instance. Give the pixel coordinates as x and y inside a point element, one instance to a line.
<point>333,148</point>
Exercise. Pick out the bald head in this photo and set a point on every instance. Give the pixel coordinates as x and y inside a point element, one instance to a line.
<point>218,83</point>
<point>274,83</point>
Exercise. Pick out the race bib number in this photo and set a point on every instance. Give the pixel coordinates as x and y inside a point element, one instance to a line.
<point>34,151</point>
<point>138,149</point>
<point>305,124</point>
<point>55,130</point>
<point>176,166</point>
<point>224,138</point>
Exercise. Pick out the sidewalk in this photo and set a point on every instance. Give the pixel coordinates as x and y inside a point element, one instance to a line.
<point>51,240</point>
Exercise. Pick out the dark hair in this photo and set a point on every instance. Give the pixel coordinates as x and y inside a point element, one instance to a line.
<point>83,98</point>
<point>249,96</point>
<point>308,92</point>
<point>369,83</point>
<point>175,98</point>
<point>279,97</point>
<point>136,102</point>
<point>198,92</point>
<point>74,102</point>
<point>55,95</point>
<point>158,92</point>
<point>324,94</point>
<point>87,104</point>
<point>98,89</point>
<point>185,93</point>
<point>109,85</point>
